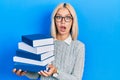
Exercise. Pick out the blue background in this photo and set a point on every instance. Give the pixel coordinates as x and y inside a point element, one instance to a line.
<point>99,29</point>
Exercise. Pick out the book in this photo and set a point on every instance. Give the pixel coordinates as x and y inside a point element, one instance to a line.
<point>29,67</point>
<point>34,62</point>
<point>36,40</point>
<point>34,56</point>
<point>36,50</point>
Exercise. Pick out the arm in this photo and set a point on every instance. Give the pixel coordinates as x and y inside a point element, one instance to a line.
<point>78,67</point>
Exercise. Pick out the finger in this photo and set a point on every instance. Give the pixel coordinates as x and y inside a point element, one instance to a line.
<point>23,73</point>
<point>50,65</point>
<point>48,73</point>
<point>51,69</point>
<point>44,74</point>
<point>39,73</point>
<point>18,72</point>
<point>14,70</point>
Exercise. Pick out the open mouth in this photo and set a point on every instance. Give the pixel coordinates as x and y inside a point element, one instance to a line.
<point>62,28</point>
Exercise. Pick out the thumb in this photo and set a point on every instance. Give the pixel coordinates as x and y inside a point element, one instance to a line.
<point>50,66</point>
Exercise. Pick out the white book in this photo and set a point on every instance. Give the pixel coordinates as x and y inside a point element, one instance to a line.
<point>34,62</point>
<point>36,50</point>
<point>47,55</point>
<point>42,42</point>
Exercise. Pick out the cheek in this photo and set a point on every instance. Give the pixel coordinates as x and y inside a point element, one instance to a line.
<point>57,25</point>
<point>69,26</point>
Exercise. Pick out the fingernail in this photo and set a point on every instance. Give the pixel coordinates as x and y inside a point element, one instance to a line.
<point>20,69</point>
<point>14,70</point>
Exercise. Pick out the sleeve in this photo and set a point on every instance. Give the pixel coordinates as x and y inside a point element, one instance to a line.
<point>78,67</point>
<point>32,75</point>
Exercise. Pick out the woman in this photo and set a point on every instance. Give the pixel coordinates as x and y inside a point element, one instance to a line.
<point>69,52</point>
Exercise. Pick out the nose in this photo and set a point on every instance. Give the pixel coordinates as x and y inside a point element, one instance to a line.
<point>63,20</point>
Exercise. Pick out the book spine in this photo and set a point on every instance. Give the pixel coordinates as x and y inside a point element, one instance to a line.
<point>46,48</point>
<point>28,55</point>
<point>42,42</point>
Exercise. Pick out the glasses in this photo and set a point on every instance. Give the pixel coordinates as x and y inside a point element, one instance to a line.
<point>60,18</point>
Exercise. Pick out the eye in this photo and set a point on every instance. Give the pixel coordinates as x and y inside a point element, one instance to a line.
<point>58,17</point>
<point>68,17</point>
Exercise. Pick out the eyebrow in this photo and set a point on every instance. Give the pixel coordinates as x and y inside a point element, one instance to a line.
<point>65,15</point>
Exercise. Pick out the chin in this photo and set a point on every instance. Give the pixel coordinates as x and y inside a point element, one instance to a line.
<point>62,33</point>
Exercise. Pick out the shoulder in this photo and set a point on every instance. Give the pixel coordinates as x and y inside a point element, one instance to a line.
<point>78,43</point>
<point>79,47</point>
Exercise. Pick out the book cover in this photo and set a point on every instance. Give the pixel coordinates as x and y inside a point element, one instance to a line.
<point>34,56</point>
<point>35,40</point>
<point>36,50</point>
<point>29,67</point>
<point>34,62</point>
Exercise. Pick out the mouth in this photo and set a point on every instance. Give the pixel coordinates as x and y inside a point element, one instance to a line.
<point>62,28</point>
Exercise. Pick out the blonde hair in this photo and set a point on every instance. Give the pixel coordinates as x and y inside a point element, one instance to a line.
<point>74,30</point>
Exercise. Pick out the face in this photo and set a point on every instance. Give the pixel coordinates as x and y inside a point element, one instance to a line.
<point>63,20</point>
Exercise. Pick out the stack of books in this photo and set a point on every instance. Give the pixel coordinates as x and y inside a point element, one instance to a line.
<point>34,53</point>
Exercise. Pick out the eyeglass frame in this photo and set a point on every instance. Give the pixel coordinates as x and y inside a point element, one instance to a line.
<point>63,18</point>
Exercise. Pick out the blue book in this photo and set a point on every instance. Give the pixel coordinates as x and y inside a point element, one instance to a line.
<point>34,62</point>
<point>29,67</point>
<point>35,40</point>
<point>29,55</point>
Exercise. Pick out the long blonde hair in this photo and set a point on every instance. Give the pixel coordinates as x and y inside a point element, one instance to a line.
<point>74,30</point>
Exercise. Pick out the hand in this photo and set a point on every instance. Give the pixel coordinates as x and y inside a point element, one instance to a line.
<point>52,70</point>
<point>19,72</point>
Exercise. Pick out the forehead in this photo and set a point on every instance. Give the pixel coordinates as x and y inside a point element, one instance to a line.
<point>63,11</point>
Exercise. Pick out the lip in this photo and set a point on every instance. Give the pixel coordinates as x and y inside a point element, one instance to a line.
<point>62,28</point>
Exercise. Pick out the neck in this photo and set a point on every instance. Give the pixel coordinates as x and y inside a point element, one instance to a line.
<point>62,37</point>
